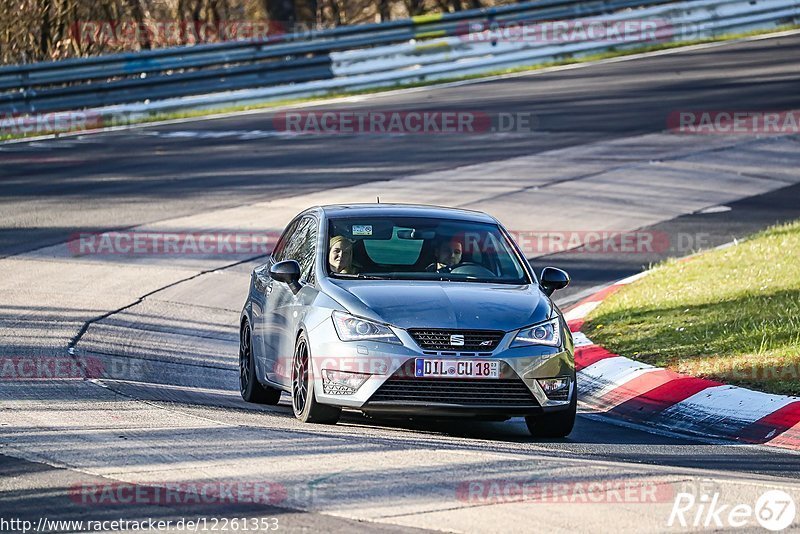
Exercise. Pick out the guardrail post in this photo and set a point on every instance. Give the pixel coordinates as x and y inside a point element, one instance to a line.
<point>493,26</point>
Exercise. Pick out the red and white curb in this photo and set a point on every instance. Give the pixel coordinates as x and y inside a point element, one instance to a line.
<point>641,393</point>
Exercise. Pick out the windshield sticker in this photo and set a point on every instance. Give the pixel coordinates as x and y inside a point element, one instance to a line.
<point>362,229</point>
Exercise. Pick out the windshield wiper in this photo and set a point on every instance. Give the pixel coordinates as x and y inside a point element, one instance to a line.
<point>360,276</point>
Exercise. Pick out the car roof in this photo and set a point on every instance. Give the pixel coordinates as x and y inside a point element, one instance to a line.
<point>404,210</point>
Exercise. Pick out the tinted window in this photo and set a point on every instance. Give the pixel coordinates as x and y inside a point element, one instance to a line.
<point>415,248</point>
<point>394,250</point>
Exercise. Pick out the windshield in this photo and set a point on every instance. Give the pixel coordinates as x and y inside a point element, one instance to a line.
<point>413,248</point>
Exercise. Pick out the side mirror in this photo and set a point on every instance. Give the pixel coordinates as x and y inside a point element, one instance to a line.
<point>553,279</point>
<point>287,272</point>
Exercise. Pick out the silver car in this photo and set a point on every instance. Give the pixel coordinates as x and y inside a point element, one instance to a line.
<point>412,311</point>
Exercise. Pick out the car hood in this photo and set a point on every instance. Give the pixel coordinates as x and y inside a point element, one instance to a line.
<point>451,305</point>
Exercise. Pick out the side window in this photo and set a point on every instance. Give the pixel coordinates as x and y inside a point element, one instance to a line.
<point>301,246</point>
<point>308,252</point>
<point>280,247</point>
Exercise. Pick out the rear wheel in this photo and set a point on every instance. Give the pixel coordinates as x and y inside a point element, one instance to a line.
<point>555,424</point>
<point>249,386</point>
<point>305,406</point>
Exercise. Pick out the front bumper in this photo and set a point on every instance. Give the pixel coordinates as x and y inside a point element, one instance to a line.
<point>388,365</point>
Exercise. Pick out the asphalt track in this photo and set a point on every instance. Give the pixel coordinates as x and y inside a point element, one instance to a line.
<point>52,189</point>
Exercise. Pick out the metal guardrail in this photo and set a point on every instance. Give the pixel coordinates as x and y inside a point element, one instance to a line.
<point>38,87</point>
<point>400,29</point>
<point>679,22</point>
<point>353,57</point>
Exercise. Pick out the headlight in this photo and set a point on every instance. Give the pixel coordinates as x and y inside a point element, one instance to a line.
<point>351,328</point>
<point>342,382</point>
<point>546,333</point>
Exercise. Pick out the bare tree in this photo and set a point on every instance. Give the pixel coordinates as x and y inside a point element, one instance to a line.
<point>415,7</point>
<point>384,10</point>
<point>281,11</point>
<point>138,15</point>
<point>38,30</point>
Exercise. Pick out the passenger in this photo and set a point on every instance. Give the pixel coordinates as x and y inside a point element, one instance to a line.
<point>448,255</point>
<point>340,257</point>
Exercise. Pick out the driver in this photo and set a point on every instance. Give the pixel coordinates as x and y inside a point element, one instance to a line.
<point>448,255</point>
<point>340,257</point>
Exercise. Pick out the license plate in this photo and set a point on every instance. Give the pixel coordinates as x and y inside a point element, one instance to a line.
<point>425,368</point>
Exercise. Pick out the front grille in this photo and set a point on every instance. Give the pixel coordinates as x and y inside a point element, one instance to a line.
<point>474,340</point>
<point>403,387</point>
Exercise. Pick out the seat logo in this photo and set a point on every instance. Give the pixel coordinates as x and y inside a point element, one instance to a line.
<point>456,340</point>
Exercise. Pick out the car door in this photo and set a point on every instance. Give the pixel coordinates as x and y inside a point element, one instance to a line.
<point>261,294</point>
<point>284,307</point>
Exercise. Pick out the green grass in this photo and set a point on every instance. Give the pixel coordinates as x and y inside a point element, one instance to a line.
<point>731,315</point>
<point>612,53</point>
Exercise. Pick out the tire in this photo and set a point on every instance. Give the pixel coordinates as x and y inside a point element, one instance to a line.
<point>249,386</point>
<point>555,424</point>
<point>304,404</point>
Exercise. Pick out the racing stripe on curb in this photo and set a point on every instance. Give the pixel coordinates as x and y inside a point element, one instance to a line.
<point>638,392</point>
<point>631,390</point>
<point>787,418</point>
<point>659,398</point>
<point>608,374</point>
<point>590,355</point>
<point>724,411</point>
